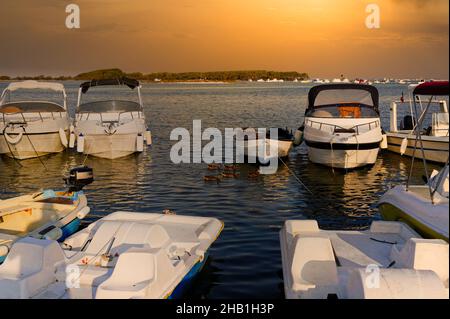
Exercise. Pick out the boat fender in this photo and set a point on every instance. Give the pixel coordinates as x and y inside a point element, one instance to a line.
<point>404,146</point>
<point>71,128</point>
<point>54,234</point>
<point>148,137</point>
<point>140,143</point>
<point>80,143</point>
<point>72,140</point>
<point>384,142</point>
<point>63,137</point>
<point>298,138</point>
<point>13,140</point>
<point>83,212</point>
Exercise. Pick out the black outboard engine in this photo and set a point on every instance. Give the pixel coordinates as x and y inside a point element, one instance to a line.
<point>79,177</point>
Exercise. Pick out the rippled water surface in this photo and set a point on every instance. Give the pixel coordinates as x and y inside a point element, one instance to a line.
<point>245,261</point>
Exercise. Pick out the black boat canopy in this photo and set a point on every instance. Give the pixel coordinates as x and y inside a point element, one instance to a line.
<point>335,94</point>
<point>131,83</point>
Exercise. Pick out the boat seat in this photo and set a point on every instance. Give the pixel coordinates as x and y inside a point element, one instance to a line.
<point>29,267</point>
<point>314,267</point>
<point>395,284</point>
<point>126,284</point>
<point>421,254</point>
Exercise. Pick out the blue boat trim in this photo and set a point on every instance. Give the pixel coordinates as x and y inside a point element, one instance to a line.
<point>70,229</point>
<point>187,280</point>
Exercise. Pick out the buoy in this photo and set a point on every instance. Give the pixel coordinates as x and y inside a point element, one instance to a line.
<point>80,143</point>
<point>140,143</point>
<point>384,142</point>
<point>404,146</point>
<point>148,137</point>
<point>63,137</point>
<point>298,138</point>
<point>13,140</point>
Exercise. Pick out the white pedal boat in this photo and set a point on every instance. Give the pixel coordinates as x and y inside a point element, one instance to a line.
<point>389,261</point>
<point>32,128</point>
<point>427,213</point>
<point>111,128</point>
<point>122,256</point>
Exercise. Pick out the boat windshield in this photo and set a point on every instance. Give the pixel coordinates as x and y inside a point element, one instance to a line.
<point>30,107</point>
<point>113,106</point>
<point>338,96</point>
<point>349,110</point>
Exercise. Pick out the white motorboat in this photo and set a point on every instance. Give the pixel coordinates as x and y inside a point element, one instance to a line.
<point>388,261</point>
<point>121,256</point>
<point>342,125</point>
<point>48,214</point>
<point>32,128</point>
<point>263,148</point>
<point>435,139</point>
<point>110,128</point>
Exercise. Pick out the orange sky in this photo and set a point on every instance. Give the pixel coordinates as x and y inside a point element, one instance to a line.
<point>322,37</point>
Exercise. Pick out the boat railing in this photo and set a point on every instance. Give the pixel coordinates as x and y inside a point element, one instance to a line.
<point>440,124</point>
<point>24,117</point>
<point>103,121</point>
<point>336,128</point>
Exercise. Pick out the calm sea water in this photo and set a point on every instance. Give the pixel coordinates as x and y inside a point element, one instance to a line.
<point>245,261</point>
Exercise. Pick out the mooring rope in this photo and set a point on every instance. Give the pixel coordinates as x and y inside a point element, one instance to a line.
<point>296,177</point>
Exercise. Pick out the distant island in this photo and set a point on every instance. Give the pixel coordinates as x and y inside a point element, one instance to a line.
<point>217,76</point>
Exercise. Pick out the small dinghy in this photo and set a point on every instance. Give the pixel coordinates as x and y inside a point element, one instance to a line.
<point>121,256</point>
<point>423,207</point>
<point>48,214</point>
<point>388,261</point>
<point>263,148</point>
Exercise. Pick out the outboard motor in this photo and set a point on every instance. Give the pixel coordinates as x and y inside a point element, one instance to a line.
<point>79,177</point>
<point>408,123</point>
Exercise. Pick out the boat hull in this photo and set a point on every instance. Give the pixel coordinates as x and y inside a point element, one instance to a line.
<point>435,148</point>
<point>342,158</point>
<point>414,207</point>
<point>110,146</point>
<point>32,145</point>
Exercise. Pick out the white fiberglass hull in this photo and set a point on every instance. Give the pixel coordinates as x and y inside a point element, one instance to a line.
<point>435,148</point>
<point>345,159</point>
<point>32,145</point>
<point>110,146</point>
<point>349,148</point>
<point>123,140</point>
<point>271,149</point>
<point>415,208</point>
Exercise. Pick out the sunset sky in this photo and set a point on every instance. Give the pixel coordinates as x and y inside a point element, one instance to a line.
<point>324,38</point>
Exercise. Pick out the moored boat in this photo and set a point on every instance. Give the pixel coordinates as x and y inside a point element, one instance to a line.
<point>33,128</point>
<point>111,128</point>
<point>48,214</point>
<point>342,125</point>
<point>121,256</point>
<point>388,261</point>
<point>435,138</point>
